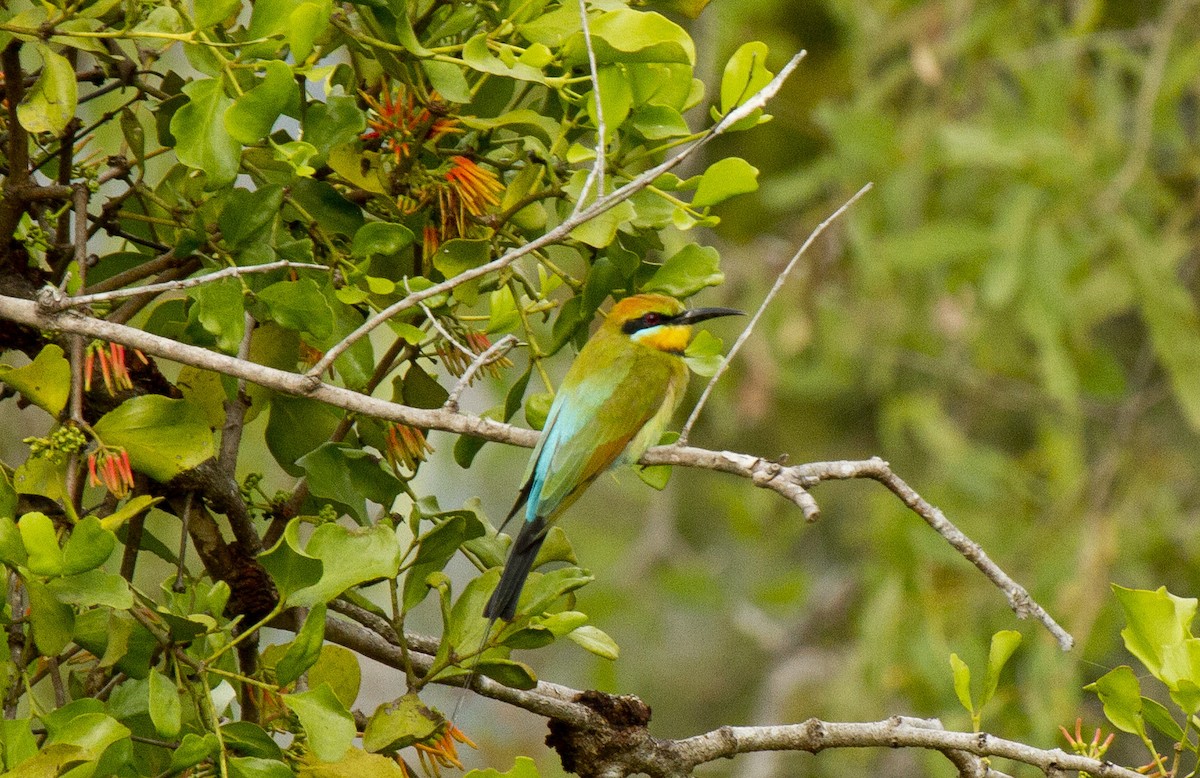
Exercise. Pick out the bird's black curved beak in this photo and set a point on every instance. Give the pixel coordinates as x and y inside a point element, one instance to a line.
<point>700,314</point>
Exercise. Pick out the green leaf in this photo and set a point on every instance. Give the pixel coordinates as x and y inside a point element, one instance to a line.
<point>400,724</point>
<point>433,552</point>
<point>40,539</point>
<point>596,641</point>
<point>511,673</point>
<point>1004,643</point>
<point>1154,619</point>
<point>212,12</point>
<point>448,79</point>
<point>523,767</point>
<point>50,103</point>
<point>94,732</point>
<point>304,651</point>
<point>88,546</point>
<point>1121,694</point>
<point>466,447</point>
<point>305,24</point>
<point>166,710</point>
<point>460,254</point>
<point>193,750</point>
<point>328,726</point>
<point>131,508</point>
<point>687,271</point>
<point>299,305</point>
<point>94,587</point>
<point>290,568</point>
<point>253,114</point>
<point>45,382</point>
<point>745,74</point>
<point>52,621</point>
<point>703,355</point>
<point>164,437</point>
<point>626,35</point>
<point>725,178</point>
<point>201,140</point>
<point>250,739</point>
<point>8,508</point>
<point>657,122</point>
<point>326,206</point>
<point>19,744</point>
<point>542,591</point>
<point>256,767</point>
<point>385,238</point>
<point>12,546</point>
<point>600,230</point>
<point>349,556</point>
<point>336,122</point>
<point>219,309</point>
<point>479,57</point>
<point>297,426</point>
<point>962,682</point>
<point>616,98</point>
<point>1157,716</point>
<point>346,475</point>
<point>338,667</point>
<point>245,219</point>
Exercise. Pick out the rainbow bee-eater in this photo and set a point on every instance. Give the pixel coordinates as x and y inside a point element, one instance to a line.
<point>613,404</point>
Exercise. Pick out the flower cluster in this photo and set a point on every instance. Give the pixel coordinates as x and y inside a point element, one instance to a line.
<point>108,466</point>
<point>112,366</point>
<point>399,123</point>
<point>1093,750</point>
<point>459,188</point>
<point>457,362</point>
<point>405,446</point>
<point>440,751</point>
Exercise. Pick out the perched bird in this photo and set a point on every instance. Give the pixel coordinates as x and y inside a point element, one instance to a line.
<point>612,405</point>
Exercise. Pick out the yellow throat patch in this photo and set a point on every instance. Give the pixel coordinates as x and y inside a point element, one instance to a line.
<point>672,339</point>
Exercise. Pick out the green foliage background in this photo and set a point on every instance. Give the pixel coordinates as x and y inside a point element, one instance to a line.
<point>1009,318</point>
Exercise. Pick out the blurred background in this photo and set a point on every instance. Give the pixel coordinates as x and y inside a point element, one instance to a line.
<point>1009,319</point>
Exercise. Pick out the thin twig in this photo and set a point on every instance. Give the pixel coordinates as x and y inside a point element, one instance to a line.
<point>183,283</point>
<point>487,357</point>
<point>560,232</point>
<point>596,174</point>
<point>737,345</point>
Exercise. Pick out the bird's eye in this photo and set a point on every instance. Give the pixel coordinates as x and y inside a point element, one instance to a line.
<point>651,319</point>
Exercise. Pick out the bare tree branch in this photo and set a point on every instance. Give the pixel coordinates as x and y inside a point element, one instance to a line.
<point>791,482</point>
<point>619,726</point>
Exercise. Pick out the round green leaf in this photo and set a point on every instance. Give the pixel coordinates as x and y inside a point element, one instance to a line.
<point>45,382</point>
<point>253,114</point>
<point>164,437</point>
<point>201,140</point>
<point>724,179</point>
<point>687,271</point>
<point>166,710</point>
<point>50,103</point>
<point>328,726</point>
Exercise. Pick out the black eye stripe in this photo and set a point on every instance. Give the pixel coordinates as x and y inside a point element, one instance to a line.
<point>645,321</point>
